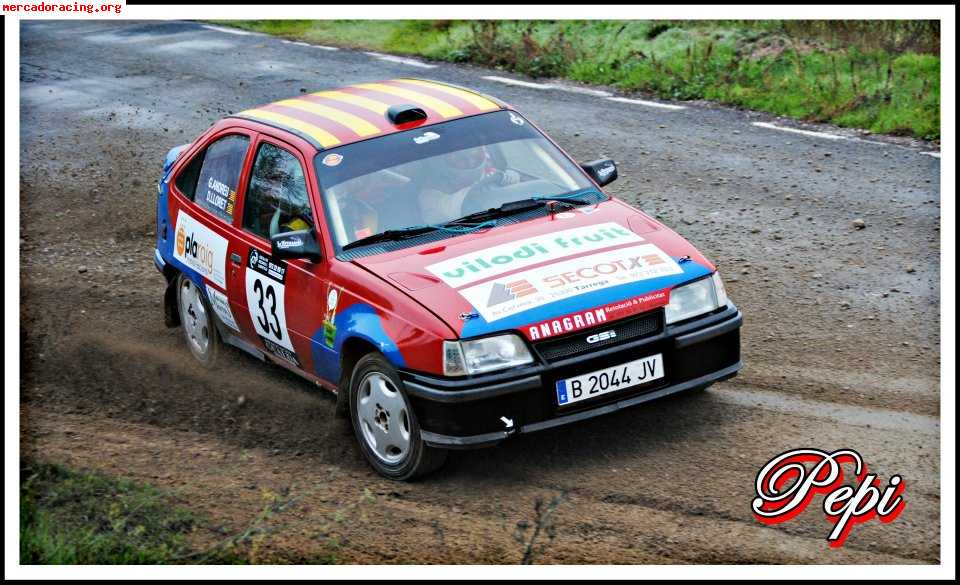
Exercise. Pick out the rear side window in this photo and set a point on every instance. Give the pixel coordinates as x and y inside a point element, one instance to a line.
<point>216,189</point>
<point>187,179</point>
<point>277,200</point>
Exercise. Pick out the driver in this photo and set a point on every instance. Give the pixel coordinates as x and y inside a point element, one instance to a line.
<point>460,171</point>
<point>279,204</point>
<point>356,201</point>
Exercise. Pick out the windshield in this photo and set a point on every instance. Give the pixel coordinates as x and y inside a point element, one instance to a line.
<point>439,173</point>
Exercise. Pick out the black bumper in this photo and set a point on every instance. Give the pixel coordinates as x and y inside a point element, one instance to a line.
<point>477,411</point>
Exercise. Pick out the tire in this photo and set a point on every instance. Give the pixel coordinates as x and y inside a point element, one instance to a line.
<point>385,425</point>
<point>196,318</point>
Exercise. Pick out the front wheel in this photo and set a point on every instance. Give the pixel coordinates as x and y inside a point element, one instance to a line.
<point>197,321</point>
<point>385,425</point>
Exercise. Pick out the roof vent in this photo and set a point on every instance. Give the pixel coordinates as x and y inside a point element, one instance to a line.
<point>405,113</point>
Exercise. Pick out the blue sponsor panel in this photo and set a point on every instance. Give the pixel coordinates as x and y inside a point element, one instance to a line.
<point>360,321</point>
<point>479,326</point>
<point>166,232</point>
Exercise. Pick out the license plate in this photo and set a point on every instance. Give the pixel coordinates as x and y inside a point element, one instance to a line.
<point>570,390</point>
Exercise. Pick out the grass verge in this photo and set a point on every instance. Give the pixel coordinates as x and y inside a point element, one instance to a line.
<point>73,517</point>
<point>882,76</point>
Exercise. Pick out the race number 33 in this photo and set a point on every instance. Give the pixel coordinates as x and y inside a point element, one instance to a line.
<point>265,288</point>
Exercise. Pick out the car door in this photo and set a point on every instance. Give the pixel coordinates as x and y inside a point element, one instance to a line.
<point>277,300</point>
<point>203,212</point>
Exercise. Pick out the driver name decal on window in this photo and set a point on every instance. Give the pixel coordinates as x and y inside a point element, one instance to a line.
<point>220,174</point>
<point>220,196</point>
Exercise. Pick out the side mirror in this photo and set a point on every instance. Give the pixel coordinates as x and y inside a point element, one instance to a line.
<point>297,244</point>
<point>603,171</point>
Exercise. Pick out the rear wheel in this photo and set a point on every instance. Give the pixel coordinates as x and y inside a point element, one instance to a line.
<point>384,422</point>
<point>196,318</point>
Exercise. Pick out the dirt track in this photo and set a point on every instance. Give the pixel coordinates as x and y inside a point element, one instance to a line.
<point>841,342</point>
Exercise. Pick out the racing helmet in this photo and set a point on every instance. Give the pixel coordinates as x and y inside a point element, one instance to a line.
<point>464,167</point>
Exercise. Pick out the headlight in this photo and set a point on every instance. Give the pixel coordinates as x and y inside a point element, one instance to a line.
<point>696,298</point>
<point>478,356</point>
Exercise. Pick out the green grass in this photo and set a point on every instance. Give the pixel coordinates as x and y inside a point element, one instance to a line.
<point>883,76</point>
<point>72,517</point>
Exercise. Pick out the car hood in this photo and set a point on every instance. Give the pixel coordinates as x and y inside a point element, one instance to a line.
<point>547,276</point>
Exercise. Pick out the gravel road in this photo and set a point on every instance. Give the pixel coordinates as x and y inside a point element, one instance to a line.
<point>841,341</point>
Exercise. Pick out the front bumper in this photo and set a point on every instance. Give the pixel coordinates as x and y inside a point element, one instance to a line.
<point>477,411</point>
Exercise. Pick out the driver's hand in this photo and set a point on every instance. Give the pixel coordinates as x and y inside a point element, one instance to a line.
<point>509,177</point>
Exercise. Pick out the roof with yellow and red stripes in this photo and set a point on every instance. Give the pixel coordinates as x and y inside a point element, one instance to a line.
<point>357,112</point>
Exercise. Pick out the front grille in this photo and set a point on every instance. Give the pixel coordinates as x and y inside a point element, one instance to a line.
<point>626,330</point>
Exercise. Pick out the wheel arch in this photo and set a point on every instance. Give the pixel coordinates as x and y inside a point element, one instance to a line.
<point>354,348</point>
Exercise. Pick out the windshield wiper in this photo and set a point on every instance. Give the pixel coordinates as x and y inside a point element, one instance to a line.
<point>391,236</point>
<point>468,223</point>
<point>513,207</point>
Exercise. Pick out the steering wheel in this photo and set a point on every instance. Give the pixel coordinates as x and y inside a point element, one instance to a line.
<point>483,196</point>
<point>485,191</point>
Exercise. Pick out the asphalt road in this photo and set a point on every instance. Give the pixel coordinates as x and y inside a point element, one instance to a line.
<point>840,345</point>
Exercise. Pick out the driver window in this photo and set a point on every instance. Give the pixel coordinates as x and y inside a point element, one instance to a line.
<point>277,200</point>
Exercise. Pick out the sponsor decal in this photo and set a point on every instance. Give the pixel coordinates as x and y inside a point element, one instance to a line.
<point>566,215</point>
<point>501,293</point>
<point>497,260</point>
<point>332,159</point>
<point>220,197</point>
<point>597,316</point>
<point>329,318</point>
<point>333,297</point>
<point>264,281</point>
<point>604,172</point>
<point>516,119</point>
<point>289,243</point>
<point>426,137</point>
<point>221,306</point>
<point>201,249</point>
<point>267,266</point>
<point>787,484</point>
<point>570,278</point>
<point>283,353</point>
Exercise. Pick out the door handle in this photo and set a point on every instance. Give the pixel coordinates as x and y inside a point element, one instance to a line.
<point>235,258</point>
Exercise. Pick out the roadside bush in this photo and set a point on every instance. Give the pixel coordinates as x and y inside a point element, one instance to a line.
<point>517,46</point>
<point>882,76</point>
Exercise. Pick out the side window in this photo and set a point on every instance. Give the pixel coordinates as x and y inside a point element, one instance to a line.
<point>277,200</point>
<point>187,179</point>
<point>215,185</point>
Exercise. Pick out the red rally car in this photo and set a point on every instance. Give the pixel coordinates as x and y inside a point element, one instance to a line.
<point>429,255</point>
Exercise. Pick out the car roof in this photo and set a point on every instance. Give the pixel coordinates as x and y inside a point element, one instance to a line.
<point>332,118</point>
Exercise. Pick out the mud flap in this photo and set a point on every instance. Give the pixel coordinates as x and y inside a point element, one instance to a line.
<point>171,316</point>
<point>342,409</point>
